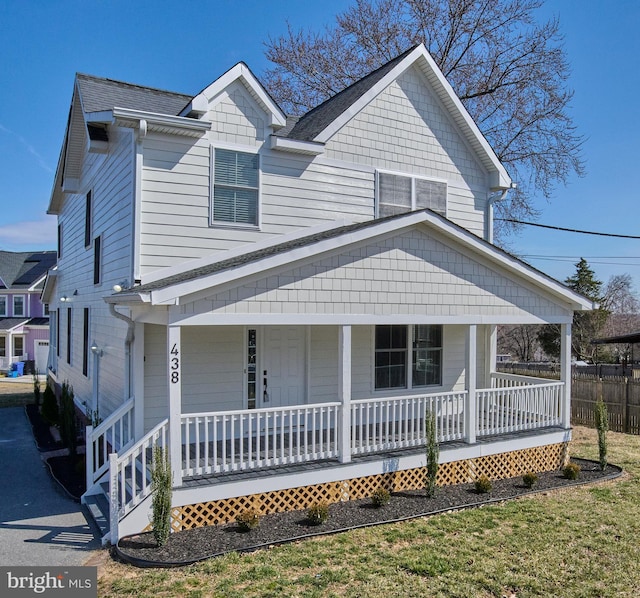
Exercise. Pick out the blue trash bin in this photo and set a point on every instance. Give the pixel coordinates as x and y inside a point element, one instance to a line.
<point>20,368</point>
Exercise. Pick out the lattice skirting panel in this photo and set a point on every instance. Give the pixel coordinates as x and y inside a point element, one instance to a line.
<point>503,465</point>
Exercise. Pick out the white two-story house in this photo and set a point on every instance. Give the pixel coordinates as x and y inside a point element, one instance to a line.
<point>278,301</point>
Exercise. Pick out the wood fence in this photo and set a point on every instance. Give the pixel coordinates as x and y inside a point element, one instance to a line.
<point>621,395</point>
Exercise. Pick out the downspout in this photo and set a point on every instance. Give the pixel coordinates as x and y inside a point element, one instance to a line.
<point>127,345</point>
<point>500,196</point>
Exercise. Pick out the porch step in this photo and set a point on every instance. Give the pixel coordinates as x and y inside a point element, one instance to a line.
<point>98,507</point>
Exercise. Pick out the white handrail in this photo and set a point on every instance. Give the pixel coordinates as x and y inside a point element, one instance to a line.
<point>399,422</point>
<point>111,436</point>
<point>504,380</point>
<point>129,473</point>
<point>235,440</point>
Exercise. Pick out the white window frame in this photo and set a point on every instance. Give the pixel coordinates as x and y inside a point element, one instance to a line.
<point>413,178</point>
<point>24,306</point>
<point>212,169</point>
<point>409,363</point>
<point>5,312</point>
<point>14,338</point>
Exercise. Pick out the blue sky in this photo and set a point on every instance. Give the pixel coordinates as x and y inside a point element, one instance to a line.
<point>183,46</point>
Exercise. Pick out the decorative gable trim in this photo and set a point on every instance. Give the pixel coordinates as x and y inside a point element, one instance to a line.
<point>209,96</point>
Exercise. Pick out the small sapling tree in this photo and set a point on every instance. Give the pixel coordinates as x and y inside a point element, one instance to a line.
<point>433,452</point>
<point>161,492</point>
<point>602,425</point>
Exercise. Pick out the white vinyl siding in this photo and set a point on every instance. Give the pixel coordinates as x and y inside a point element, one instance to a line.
<point>236,188</point>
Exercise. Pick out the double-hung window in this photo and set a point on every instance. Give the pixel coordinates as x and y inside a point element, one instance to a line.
<point>235,188</point>
<point>408,356</point>
<point>402,193</point>
<point>18,306</point>
<point>3,306</point>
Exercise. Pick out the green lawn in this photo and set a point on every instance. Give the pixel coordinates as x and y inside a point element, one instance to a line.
<point>578,542</point>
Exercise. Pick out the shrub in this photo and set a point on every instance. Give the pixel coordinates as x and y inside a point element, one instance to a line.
<point>36,389</point>
<point>380,497</point>
<point>68,427</point>
<point>602,425</point>
<point>571,471</point>
<point>247,520</point>
<point>49,406</point>
<point>433,452</point>
<point>529,479</point>
<point>318,513</point>
<point>483,484</point>
<point>161,491</point>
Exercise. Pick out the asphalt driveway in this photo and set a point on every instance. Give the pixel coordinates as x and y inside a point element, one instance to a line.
<point>39,523</point>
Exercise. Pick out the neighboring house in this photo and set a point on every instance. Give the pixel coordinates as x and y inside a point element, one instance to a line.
<point>278,301</point>
<point>24,319</point>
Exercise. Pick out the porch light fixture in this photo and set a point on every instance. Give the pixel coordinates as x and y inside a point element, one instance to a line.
<point>95,350</point>
<point>119,287</point>
<point>64,298</point>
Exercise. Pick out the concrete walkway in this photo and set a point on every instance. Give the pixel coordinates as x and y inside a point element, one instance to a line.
<point>39,523</point>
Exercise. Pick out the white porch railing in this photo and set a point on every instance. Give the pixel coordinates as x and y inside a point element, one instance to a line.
<point>113,435</point>
<point>130,474</point>
<point>235,440</point>
<point>398,422</point>
<point>518,403</point>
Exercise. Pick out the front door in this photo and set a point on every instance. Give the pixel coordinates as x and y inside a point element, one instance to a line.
<point>283,366</point>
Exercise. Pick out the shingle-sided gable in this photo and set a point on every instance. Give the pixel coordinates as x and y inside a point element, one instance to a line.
<point>406,128</point>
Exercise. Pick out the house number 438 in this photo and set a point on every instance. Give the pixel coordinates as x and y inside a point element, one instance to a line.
<point>174,360</point>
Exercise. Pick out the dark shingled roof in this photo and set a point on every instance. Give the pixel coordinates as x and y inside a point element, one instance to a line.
<point>38,322</point>
<point>9,323</point>
<point>318,119</point>
<point>21,270</point>
<point>100,94</point>
<point>255,256</point>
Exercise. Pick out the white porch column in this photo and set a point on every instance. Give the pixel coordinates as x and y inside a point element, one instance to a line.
<point>470,384</point>
<point>344,393</point>
<point>491,351</point>
<point>137,372</point>
<point>565,374</point>
<point>174,370</point>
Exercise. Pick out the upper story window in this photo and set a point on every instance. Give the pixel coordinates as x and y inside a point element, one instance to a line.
<point>59,241</point>
<point>87,219</point>
<point>408,356</point>
<point>18,306</point>
<point>3,306</point>
<point>398,193</point>
<point>97,260</point>
<point>235,188</point>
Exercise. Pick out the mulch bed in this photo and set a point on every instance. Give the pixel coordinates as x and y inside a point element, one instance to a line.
<point>68,471</point>
<point>197,544</point>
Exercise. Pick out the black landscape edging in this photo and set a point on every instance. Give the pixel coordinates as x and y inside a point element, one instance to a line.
<point>145,563</point>
<point>72,496</point>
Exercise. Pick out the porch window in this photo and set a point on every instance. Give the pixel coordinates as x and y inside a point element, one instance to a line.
<point>400,350</point>
<point>3,346</point>
<point>18,346</point>
<point>391,357</point>
<point>235,188</point>
<point>18,306</point>
<point>427,355</point>
<point>401,193</point>
<point>3,306</point>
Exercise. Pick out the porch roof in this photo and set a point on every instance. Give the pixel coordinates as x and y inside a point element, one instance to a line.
<point>234,266</point>
<point>11,324</point>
